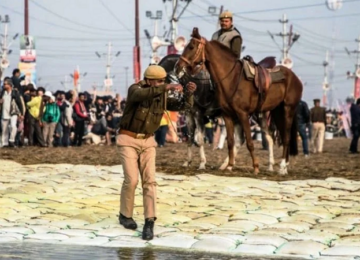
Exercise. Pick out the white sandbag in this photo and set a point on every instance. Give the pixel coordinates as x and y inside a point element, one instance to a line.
<point>306,248</point>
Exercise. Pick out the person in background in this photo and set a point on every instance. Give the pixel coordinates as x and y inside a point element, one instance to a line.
<point>29,92</point>
<point>318,119</point>
<point>66,119</point>
<point>355,126</point>
<point>17,81</point>
<point>160,134</point>
<point>80,116</point>
<point>122,106</point>
<point>303,119</point>
<point>12,108</point>
<point>110,128</point>
<point>209,131</point>
<point>36,106</point>
<point>60,98</point>
<point>50,119</point>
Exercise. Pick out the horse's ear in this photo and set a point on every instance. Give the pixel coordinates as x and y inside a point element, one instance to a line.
<point>196,33</point>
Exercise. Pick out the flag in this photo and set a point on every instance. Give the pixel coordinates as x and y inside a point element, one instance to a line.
<point>76,77</point>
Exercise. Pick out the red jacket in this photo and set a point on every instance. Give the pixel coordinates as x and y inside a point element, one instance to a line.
<point>80,109</point>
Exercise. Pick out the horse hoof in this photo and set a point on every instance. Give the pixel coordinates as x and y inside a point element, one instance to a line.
<point>283,172</point>
<point>271,168</point>
<point>222,167</point>
<point>256,171</point>
<point>202,167</point>
<point>229,168</point>
<point>186,164</point>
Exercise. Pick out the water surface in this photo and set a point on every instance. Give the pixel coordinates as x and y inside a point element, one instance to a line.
<point>27,251</point>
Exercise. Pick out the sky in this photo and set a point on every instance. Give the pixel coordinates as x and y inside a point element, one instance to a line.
<point>69,32</point>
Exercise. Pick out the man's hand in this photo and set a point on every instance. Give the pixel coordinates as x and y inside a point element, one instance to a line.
<point>191,87</point>
<point>176,87</point>
<point>1,101</point>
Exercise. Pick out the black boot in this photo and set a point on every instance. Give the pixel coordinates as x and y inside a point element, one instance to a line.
<point>148,230</point>
<point>128,223</point>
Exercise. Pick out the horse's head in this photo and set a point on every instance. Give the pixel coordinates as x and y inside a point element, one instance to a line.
<point>192,59</point>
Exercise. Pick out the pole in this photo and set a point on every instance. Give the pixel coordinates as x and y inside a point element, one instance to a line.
<point>4,47</point>
<point>357,68</point>
<point>108,66</point>
<point>156,27</point>
<point>325,83</point>
<point>137,64</point>
<point>65,83</point>
<point>126,76</point>
<point>218,23</point>
<point>174,22</point>
<point>26,18</point>
<point>284,21</point>
<point>358,54</point>
<point>154,50</point>
<point>79,81</point>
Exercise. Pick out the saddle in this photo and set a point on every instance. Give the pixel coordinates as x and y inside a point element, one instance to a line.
<point>263,73</point>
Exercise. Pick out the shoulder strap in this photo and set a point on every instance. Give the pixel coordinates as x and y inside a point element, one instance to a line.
<point>235,29</point>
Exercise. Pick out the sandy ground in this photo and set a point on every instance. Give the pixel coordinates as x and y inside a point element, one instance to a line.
<point>334,162</point>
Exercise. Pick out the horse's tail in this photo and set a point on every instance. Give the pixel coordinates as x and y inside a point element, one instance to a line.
<point>293,144</point>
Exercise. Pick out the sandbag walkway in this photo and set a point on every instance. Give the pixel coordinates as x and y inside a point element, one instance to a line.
<point>79,204</point>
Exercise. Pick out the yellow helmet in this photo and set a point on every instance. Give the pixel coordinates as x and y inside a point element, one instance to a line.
<point>155,72</point>
<point>226,14</point>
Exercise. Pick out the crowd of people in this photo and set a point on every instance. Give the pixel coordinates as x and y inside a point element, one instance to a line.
<point>33,116</point>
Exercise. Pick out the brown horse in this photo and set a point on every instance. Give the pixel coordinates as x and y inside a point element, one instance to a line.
<point>239,97</point>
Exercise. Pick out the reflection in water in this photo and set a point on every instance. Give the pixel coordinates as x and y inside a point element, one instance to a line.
<point>35,251</point>
<point>137,253</point>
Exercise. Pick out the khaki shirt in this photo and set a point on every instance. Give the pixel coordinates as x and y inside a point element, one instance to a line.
<point>145,107</point>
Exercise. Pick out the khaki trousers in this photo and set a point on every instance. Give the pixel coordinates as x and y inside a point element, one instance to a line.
<point>317,137</point>
<point>48,132</point>
<point>137,155</point>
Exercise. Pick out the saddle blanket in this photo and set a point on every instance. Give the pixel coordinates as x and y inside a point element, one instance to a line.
<point>275,73</point>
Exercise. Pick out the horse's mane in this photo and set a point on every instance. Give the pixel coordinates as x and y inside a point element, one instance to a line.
<point>224,48</point>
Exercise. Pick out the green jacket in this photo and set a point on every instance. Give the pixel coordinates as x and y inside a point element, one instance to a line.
<point>52,113</point>
<point>145,107</point>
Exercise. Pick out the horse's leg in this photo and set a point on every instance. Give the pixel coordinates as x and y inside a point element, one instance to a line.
<point>237,145</point>
<point>289,113</point>
<point>270,151</point>
<point>200,133</point>
<point>244,119</point>
<point>270,141</point>
<point>190,123</point>
<point>229,125</point>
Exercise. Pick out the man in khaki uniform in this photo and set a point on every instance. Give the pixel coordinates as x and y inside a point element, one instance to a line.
<point>318,120</point>
<point>228,34</point>
<point>145,105</point>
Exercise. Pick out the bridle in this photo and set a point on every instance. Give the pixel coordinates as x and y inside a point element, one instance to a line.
<point>199,52</point>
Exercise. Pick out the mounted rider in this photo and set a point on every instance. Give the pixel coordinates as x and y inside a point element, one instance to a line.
<point>228,34</point>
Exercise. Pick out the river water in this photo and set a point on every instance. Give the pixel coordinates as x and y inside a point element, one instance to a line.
<point>35,251</point>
